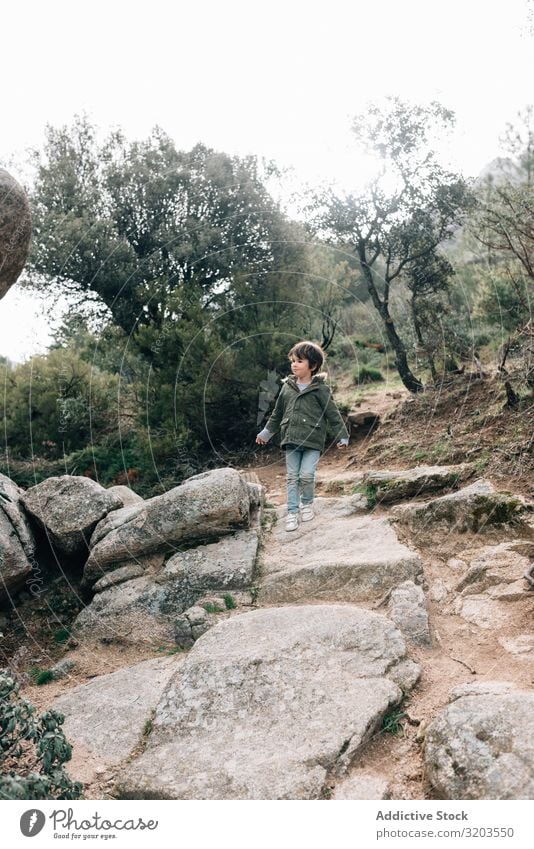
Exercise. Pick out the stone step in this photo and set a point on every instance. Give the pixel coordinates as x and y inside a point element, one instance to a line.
<point>341,555</point>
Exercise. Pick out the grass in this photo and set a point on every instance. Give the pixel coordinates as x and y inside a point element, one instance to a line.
<point>210,607</point>
<point>62,635</point>
<point>41,676</point>
<point>369,490</point>
<point>229,601</point>
<point>392,722</point>
<point>367,374</point>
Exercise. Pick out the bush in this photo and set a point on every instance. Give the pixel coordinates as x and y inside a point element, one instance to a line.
<point>33,749</point>
<point>367,374</point>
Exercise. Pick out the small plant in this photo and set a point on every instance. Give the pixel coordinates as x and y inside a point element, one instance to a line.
<point>392,722</point>
<point>370,491</point>
<point>148,726</point>
<point>41,676</point>
<point>229,601</point>
<point>33,749</point>
<point>62,635</point>
<point>367,374</point>
<point>210,607</point>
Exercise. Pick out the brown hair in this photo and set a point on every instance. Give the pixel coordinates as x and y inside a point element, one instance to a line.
<point>309,351</point>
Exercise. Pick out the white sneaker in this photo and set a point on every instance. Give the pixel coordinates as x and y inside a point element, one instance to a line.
<point>292,522</point>
<point>306,513</point>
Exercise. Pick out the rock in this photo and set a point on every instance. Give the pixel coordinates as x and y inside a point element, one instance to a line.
<point>119,576</point>
<point>406,674</point>
<point>201,509</point>
<point>342,484</point>
<point>362,785</point>
<point>470,509</point>
<point>127,496</point>
<point>18,566</point>
<point>363,422</point>
<point>407,608</point>
<point>268,704</point>
<point>410,483</point>
<point>62,668</point>
<point>225,565</point>
<point>335,558</point>
<point>137,611</point>
<point>495,565</point>
<point>106,718</point>
<point>522,646</point>
<point>144,609</point>
<point>68,507</point>
<point>438,591</point>
<point>196,615</point>
<point>15,230</point>
<point>482,745</point>
<point>514,591</point>
<point>482,611</point>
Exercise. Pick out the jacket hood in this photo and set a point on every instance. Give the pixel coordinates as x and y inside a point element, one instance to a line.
<point>320,377</point>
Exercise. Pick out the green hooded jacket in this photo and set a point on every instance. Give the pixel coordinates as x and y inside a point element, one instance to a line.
<point>304,417</point>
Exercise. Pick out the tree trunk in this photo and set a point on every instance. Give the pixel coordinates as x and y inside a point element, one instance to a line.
<point>419,335</point>
<point>411,383</point>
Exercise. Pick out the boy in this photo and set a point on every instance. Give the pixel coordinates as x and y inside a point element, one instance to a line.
<point>303,412</point>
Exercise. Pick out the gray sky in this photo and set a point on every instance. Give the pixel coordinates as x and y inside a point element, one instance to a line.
<point>280,79</point>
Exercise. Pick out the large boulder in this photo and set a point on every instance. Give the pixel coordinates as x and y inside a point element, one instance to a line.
<point>269,704</point>
<point>470,509</point>
<point>390,486</point>
<point>340,556</point>
<point>69,507</point>
<point>482,745</point>
<point>140,605</point>
<point>15,230</point>
<point>202,509</point>
<point>17,545</point>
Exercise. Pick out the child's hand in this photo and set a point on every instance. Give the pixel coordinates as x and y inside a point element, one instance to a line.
<point>261,441</point>
<point>341,445</point>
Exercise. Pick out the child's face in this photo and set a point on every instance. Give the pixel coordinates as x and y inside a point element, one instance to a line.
<point>301,368</point>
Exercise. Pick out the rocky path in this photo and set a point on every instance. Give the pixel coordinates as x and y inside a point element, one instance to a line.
<point>384,649</point>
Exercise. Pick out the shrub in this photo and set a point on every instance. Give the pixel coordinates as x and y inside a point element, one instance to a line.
<point>210,607</point>
<point>33,749</point>
<point>367,374</point>
<point>41,676</point>
<point>229,601</point>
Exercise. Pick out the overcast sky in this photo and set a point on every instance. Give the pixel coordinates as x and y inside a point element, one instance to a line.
<point>280,79</point>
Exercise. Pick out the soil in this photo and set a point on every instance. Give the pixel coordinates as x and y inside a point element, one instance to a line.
<point>467,421</point>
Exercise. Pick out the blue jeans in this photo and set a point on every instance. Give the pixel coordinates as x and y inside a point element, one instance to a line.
<point>301,464</point>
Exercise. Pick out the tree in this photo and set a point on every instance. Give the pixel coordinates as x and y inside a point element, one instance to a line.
<point>189,257</point>
<point>146,227</point>
<point>407,211</point>
<point>504,225</point>
<point>427,278</point>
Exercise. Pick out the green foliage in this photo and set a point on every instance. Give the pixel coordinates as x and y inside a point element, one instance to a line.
<point>41,676</point>
<point>57,403</point>
<point>229,601</point>
<point>33,749</point>
<point>210,607</point>
<point>369,490</point>
<point>193,278</point>
<point>62,635</point>
<point>392,722</point>
<point>367,374</point>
